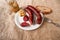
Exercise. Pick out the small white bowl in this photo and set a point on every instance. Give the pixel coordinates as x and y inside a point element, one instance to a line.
<point>19,20</point>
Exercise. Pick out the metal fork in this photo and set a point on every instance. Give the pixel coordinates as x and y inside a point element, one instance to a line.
<point>50,21</point>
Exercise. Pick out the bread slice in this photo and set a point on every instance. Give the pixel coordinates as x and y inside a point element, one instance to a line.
<point>45,10</point>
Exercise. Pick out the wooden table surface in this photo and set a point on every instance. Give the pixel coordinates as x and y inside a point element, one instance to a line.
<point>48,31</point>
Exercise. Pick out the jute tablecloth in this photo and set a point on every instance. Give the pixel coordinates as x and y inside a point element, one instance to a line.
<point>9,31</point>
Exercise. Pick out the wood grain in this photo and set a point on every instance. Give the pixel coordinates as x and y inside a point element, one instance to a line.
<point>9,31</point>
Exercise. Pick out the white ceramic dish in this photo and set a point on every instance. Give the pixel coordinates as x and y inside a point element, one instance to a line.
<point>19,20</point>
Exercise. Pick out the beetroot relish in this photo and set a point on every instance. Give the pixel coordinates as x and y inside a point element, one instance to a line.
<point>25,18</point>
<point>24,24</point>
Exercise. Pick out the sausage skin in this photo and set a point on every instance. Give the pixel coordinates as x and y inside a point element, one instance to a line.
<point>37,13</point>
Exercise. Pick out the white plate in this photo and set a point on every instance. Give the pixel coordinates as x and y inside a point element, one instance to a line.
<point>19,20</point>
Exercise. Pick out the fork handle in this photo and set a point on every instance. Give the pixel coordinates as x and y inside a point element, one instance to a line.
<point>58,25</point>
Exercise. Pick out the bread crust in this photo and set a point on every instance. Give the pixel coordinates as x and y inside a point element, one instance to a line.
<point>45,10</point>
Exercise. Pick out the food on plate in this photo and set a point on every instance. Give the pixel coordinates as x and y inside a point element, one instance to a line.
<point>36,12</point>
<point>25,18</point>
<point>39,19</point>
<point>24,24</point>
<point>22,12</point>
<point>30,15</point>
<point>45,10</point>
